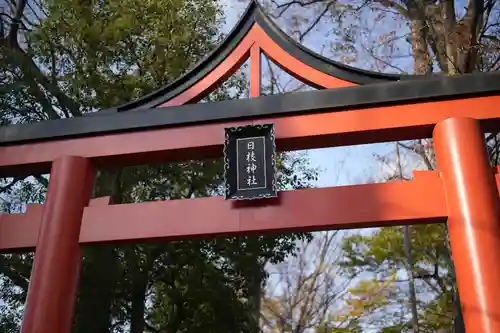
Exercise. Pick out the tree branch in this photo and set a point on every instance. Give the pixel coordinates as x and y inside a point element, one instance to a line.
<point>42,180</point>
<point>468,33</point>
<point>14,181</point>
<point>318,18</point>
<point>16,21</point>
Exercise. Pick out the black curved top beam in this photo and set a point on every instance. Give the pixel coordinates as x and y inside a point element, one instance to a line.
<point>255,14</point>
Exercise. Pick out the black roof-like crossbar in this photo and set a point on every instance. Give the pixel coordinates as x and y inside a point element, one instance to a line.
<point>327,100</point>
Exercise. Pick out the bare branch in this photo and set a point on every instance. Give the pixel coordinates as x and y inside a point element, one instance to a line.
<point>16,21</point>
<point>315,22</point>
<point>309,287</point>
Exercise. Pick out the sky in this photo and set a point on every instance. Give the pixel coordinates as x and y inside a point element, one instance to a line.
<point>340,165</point>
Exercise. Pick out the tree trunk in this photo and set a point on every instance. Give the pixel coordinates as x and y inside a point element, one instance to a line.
<point>413,294</point>
<point>422,64</point>
<point>138,304</point>
<point>100,272</point>
<point>96,292</point>
<point>408,254</point>
<point>254,296</point>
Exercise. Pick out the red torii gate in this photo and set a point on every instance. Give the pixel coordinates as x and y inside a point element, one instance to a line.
<point>353,107</point>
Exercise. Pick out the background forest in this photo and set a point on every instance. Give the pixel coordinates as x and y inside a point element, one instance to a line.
<point>65,58</point>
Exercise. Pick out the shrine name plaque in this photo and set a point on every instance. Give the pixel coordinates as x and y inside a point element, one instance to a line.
<point>250,162</point>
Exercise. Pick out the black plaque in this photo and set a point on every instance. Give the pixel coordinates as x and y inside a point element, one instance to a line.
<point>250,162</point>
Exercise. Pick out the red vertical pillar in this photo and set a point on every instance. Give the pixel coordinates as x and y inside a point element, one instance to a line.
<point>473,220</point>
<point>255,71</point>
<point>55,274</point>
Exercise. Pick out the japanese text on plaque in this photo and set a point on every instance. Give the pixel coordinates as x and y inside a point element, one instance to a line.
<point>252,169</point>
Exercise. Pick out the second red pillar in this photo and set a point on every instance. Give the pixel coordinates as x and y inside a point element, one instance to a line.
<point>473,220</point>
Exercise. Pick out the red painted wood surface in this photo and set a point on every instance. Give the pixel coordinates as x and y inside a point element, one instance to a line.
<point>368,125</point>
<point>418,201</point>
<point>395,203</point>
<point>258,39</point>
<point>471,204</point>
<point>20,231</point>
<point>473,220</point>
<point>56,268</point>
<point>295,67</point>
<point>255,71</point>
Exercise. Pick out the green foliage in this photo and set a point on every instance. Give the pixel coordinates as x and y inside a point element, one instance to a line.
<point>202,275</point>
<point>81,56</point>
<point>382,252</point>
<point>385,247</point>
<point>114,51</point>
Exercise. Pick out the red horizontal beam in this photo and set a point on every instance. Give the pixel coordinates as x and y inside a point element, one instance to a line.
<point>20,231</point>
<point>292,133</point>
<point>360,206</point>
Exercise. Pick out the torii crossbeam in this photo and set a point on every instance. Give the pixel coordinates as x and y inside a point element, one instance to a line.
<point>352,107</point>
